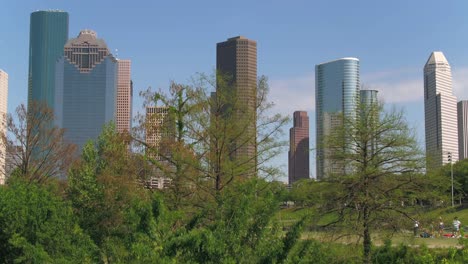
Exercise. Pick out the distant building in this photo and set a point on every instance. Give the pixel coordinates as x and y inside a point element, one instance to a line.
<point>47,36</point>
<point>123,119</point>
<point>369,110</point>
<point>298,164</point>
<point>337,88</point>
<point>440,111</point>
<point>87,88</point>
<point>3,121</point>
<point>160,130</point>
<point>462,113</point>
<point>236,61</point>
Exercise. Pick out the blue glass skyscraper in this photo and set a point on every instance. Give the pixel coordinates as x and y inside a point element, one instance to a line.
<point>86,88</point>
<point>48,34</point>
<point>337,88</point>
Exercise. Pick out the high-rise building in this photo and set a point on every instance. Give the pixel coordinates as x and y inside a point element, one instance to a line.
<point>3,121</point>
<point>236,63</point>
<point>368,97</point>
<point>160,130</point>
<point>440,111</point>
<point>370,115</point>
<point>462,113</point>
<point>48,34</point>
<point>123,120</point>
<point>86,88</point>
<point>299,147</point>
<point>337,88</point>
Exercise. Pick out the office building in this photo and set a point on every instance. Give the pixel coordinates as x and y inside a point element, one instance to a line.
<point>462,113</point>
<point>298,164</point>
<point>86,88</point>
<point>160,132</point>
<point>370,114</point>
<point>3,122</point>
<point>337,87</point>
<point>123,120</point>
<point>440,111</point>
<point>47,36</point>
<point>236,63</point>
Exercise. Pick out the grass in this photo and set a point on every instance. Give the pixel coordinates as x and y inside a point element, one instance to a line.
<point>289,216</point>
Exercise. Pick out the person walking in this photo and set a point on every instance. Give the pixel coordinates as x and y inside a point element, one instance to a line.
<point>416,228</point>
<point>456,227</point>
<point>440,227</point>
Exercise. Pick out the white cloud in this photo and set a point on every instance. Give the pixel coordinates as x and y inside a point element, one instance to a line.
<point>293,94</point>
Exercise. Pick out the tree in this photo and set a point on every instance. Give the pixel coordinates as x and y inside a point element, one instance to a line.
<point>382,174</point>
<point>38,226</point>
<point>210,133</point>
<point>38,148</point>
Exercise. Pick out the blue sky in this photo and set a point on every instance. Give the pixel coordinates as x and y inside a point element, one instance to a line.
<point>172,40</point>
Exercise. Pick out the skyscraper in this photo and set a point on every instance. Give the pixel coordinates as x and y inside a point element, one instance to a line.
<point>86,88</point>
<point>236,62</point>
<point>440,111</point>
<point>368,97</point>
<point>159,131</point>
<point>48,34</point>
<point>370,116</point>
<point>3,126</point>
<point>462,113</point>
<point>298,164</point>
<point>337,88</point>
<point>123,120</point>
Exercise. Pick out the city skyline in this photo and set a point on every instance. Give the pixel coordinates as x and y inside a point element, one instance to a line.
<point>159,53</point>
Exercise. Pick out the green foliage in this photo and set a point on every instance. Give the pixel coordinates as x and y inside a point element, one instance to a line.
<point>37,226</point>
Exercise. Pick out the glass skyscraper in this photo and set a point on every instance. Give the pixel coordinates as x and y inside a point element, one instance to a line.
<point>86,88</point>
<point>48,34</point>
<point>337,88</point>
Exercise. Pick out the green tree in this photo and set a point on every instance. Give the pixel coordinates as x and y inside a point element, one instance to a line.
<point>110,203</point>
<point>382,175</point>
<point>37,226</point>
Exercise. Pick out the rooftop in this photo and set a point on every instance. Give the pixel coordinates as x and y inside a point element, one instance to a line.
<point>436,57</point>
<point>345,58</point>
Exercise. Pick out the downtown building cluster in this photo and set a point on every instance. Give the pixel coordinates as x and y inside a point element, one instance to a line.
<point>87,86</point>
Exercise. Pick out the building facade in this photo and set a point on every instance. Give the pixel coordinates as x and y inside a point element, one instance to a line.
<point>3,122</point>
<point>47,37</point>
<point>123,119</point>
<point>462,114</point>
<point>440,112</point>
<point>236,63</point>
<point>160,130</point>
<point>298,165</point>
<point>337,87</point>
<point>86,88</point>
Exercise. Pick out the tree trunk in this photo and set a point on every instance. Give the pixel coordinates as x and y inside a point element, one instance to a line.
<point>367,242</point>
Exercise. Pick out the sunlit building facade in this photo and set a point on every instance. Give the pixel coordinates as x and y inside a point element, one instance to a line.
<point>337,87</point>
<point>123,119</point>
<point>440,112</point>
<point>3,122</point>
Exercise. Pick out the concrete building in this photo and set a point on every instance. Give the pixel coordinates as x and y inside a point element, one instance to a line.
<point>47,36</point>
<point>160,131</point>
<point>440,111</point>
<point>337,87</point>
<point>462,113</point>
<point>3,122</point>
<point>236,63</point>
<point>298,164</point>
<point>123,120</point>
<point>86,88</point>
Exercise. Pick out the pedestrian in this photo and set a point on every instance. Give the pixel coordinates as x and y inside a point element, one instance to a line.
<point>456,227</point>
<point>416,228</point>
<point>440,227</point>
